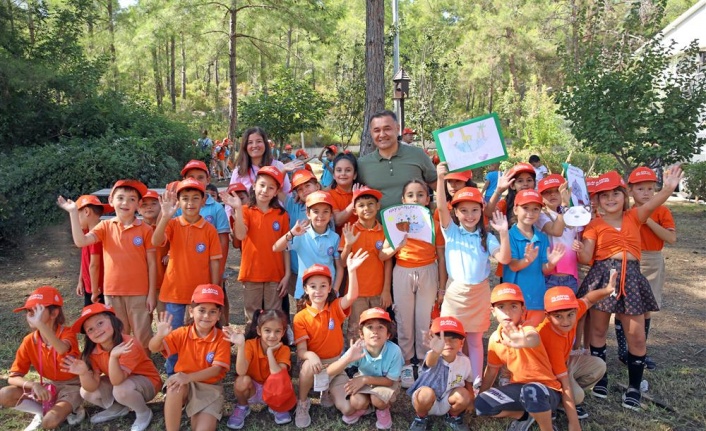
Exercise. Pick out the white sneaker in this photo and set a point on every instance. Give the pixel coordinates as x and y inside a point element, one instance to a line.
<point>290,335</point>
<point>407,376</point>
<point>113,412</point>
<point>142,421</point>
<point>78,417</point>
<point>35,424</point>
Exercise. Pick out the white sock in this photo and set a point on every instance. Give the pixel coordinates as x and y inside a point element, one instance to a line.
<point>29,406</point>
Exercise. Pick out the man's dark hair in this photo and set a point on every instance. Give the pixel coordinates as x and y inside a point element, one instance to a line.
<point>385,113</point>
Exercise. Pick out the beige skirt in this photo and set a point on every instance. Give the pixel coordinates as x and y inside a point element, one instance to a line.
<point>652,267</point>
<point>469,303</point>
<point>205,398</point>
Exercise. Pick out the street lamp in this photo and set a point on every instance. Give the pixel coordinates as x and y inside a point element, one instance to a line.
<point>401,80</point>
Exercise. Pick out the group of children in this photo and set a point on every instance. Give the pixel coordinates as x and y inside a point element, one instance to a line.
<point>328,251</point>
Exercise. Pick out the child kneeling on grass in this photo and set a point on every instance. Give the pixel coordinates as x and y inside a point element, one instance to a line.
<point>445,383</point>
<point>379,363</point>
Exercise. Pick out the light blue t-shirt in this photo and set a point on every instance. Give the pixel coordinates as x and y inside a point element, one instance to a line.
<point>530,279</point>
<point>388,363</point>
<point>491,178</point>
<point>466,261</point>
<point>214,213</point>
<point>326,176</point>
<point>312,248</point>
<point>296,211</point>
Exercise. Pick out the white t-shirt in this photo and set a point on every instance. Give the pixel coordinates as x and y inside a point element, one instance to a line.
<point>459,373</point>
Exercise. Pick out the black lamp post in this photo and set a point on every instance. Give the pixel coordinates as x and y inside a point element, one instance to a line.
<point>401,80</point>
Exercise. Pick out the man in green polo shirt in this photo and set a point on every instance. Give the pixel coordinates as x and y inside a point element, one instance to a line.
<point>391,165</point>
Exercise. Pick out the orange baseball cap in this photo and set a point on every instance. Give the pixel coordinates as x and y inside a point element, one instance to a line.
<point>300,152</point>
<point>190,183</point>
<point>447,324</point>
<point>287,147</point>
<point>591,185</point>
<point>506,292</point>
<point>332,148</point>
<point>528,196</point>
<point>195,164</point>
<point>609,181</point>
<point>44,295</point>
<point>273,172</point>
<point>84,200</point>
<point>316,269</point>
<point>237,187</point>
<point>560,298</point>
<point>467,194</point>
<point>134,184</point>
<point>374,313</point>
<point>367,191</point>
<point>207,294</point>
<point>88,311</point>
<point>151,194</point>
<point>319,197</point>
<point>521,167</point>
<point>642,174</point>
<point>300,177</point>
<point>408,131</point>
<point>460,176</point>
<point>278,392</point>
<point>550,182</point>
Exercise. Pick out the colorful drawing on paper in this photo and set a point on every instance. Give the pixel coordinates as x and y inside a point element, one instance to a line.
<point>471,144</point>
<point>414,221</point>
<point>577,182</point>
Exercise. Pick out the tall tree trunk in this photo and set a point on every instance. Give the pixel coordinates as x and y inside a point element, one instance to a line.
<point>172,71</point>
<point>217,93</point>
<point>111,31</point>
<point>183,68</point>
<point>289,45</point>
<point>11,16</point>
<point>167,74</point>
<point>263,72</point>
<point>31,6</point>
<point>233,105</point>
<point>374,68</point>
<point>208,79</point>
<point>159,91</point>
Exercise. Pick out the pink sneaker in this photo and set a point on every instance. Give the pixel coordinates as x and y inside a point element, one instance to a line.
<point>355,416</point>
<point>384,421</point>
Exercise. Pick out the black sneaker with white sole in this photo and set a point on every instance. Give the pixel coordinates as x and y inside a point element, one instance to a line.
<point>581,412</point>
<point>601,389</point>
<point>631,399</point>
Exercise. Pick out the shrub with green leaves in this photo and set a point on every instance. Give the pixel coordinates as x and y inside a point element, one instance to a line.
<point>695,179</point>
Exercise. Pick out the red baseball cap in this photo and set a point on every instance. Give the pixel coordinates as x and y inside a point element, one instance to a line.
<point>642,174</point>
<point>408,131</point>
<point>591,184</point>
<point>609,181</point>
<point>460,176</point>
<point>447,324</point>
<point>300,177</point>
<point>88,311</point>
<point>301,152</point>
<point>560,298</point>
<point>506,292</point>
<point>521,167</point>
<point>316,269</point>
<point>44,295</point>
<point>287,147</point>
<point>319,197</point>
<point>207,294</point>
<point>134,184</point>
<point>151,194</point>
<point>374,313</point>
<point>84,200</point>
<point>237,187</point>
<point>190,183</point>
<point>273,172</point>
<point>528,196</point>
<point>333,149</point>
<point>550,182</point>
<point>467,194</point>
<point>278,392</point>
<point>365,190</point>
<point>195,164</point>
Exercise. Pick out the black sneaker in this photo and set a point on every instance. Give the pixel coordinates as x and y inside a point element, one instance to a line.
<point>601,389</point>
<point>581,412</point>
<point>418,424</point>
<point>631,399</point>
<point>456,423</point>
<point>650,364</point>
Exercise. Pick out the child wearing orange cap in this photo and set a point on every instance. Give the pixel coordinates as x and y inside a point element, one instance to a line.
<point>302,155</point>
<point>658,229</point>
<point>150,210</point>
<point>194,248</point>
<point>318,335</point>
<point>90,210</point>
<point>520,177</point>
<point>613,242</point>
<point>204,359</point>
<point>379,362</point>
<point>445,382</point>
<point>533,392</point>
<point>262,354</point>
<point>57,398</point>
<point>259,223</point>
<point>129,258</point>
<point>115,373</point>
<point>557,331</point>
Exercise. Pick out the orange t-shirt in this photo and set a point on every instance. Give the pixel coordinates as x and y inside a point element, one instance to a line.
<point>371,273</point>
<point>162,251</point>
<point>134,362</point>
<point>192,248</point>
<point>341,200</point>
<point>258,364</point>
<point>259,263</point>
<point>417,253</point>
<point>610,241</point>
<point>525,365</point>
<point>501,206</point>
<point>49,366</point>
<point>558,344</point>
<point>321,329</point>
<point>196,354</point>
<point>440,241</point>
<point>125,256</point>
<point>650,241</point>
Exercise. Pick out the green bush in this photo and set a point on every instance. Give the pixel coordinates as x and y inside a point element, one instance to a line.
<point>695,179</point>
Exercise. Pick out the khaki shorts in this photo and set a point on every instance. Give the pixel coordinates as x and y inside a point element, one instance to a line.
<point>653,268</point>
<point>205,398</point>
<point>132,311</point>
<point>387,394</point>
<point>69,391</point>
<point>337,384</point>
<point>103,396</point>
<point>440,407</point>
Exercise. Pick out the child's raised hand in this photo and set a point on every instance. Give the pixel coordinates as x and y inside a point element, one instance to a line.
<point>499,222</point>
<point>356,351</point>
<point>435,342</point>
<point>232,199</point>
<point>35,319</point>
<point>672,176</point>
<point>164,324</point>
<point>565,192</point>
<point>300,227</point>
<point>505,181</point>
<point>556,253</point>
<point>74,366</point>
<point>354,261</point>
<point>122,348</point>
<point>294,165</point>
<point>236,336</point>
<point>513,336</point>
<point>441,170</point>
<point>531,252</point>
<point>348,235</point>
<point>168,202</point>
<point>66,204</point>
